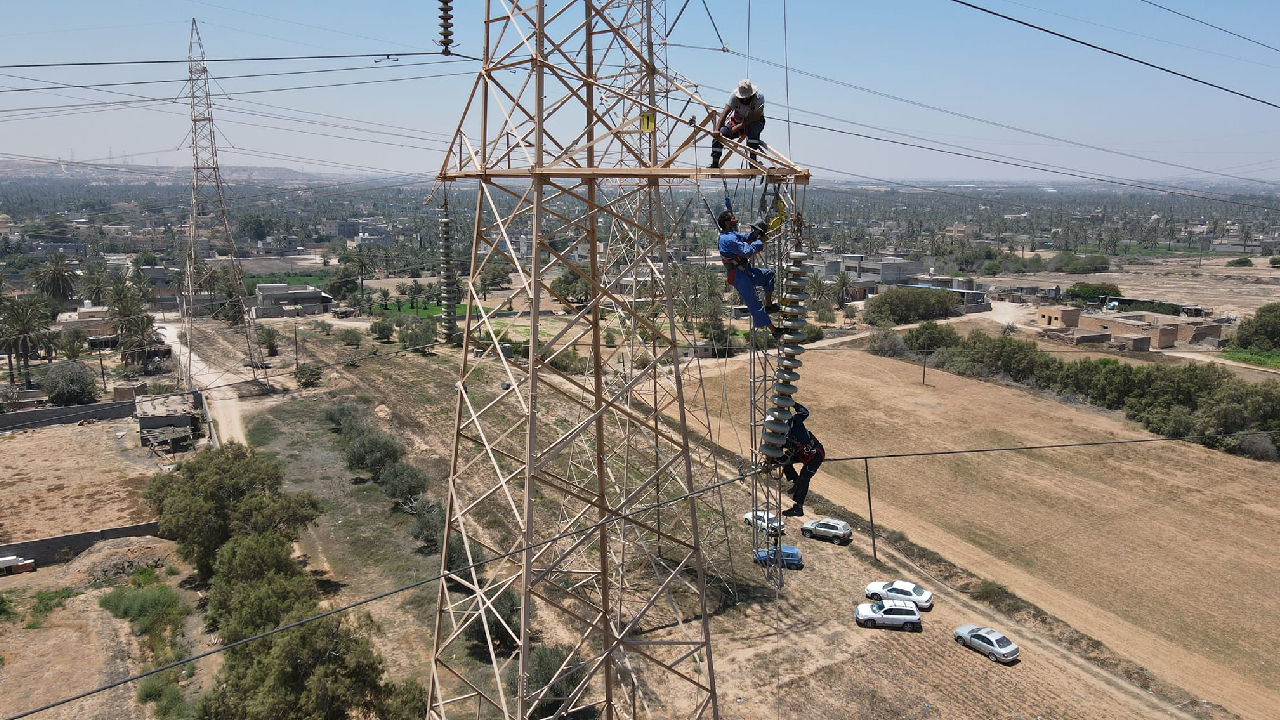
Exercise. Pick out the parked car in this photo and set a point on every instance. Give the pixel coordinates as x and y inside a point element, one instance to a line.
<point>987,641</point>
<point>901,590</point>
<point>889,613</point>
<point>829,528</point>
<point>792,558</point>
<point>766,521</point>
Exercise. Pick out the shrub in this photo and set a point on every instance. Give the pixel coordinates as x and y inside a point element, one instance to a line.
<point>901,305</point>
<point>418,336</point>
<point>570,361</point>
<point>1274,261</point>
<point>1240,262</point>
<point>1069,262</point>
<point>382,329</point>
<point>308,375</point>
<point>345,416</point>
<point>350,336</point>
<point>46,602</point>
<point>148,608</point>
<point>988,591</point>
<point>1091,292</point>
<point>504,623</point>
<point>6,608</point>
<point>372,451</point>
<point>886,343</point>
<point>71,383</point>
<point>813,333</point>
<point>323,326</point>
<point>428,525</point>
<point>404,484</point>
<point>269,338</point>
<point>1258,447</point>
<point>1260,332</point>
<point>544,664</point>
<point>929,336</point>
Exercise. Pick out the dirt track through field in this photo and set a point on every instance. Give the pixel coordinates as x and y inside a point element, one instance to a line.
<point>1124,543</point>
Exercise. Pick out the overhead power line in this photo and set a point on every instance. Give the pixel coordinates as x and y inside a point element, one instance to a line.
<point>547,541</point>
<point>1209,24</point>
<point>1121,55</point>
<point>184,61</point>
<point>966,116</point>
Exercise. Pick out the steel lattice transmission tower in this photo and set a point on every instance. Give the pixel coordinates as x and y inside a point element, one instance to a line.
<point>209,218</point>
<point>571,452</point>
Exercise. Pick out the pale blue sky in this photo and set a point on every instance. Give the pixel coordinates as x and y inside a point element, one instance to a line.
<point>930,51</point>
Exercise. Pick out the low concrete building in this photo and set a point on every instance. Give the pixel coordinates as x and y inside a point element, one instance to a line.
<point>166,418</point>
<point>272,298</point>
<point>1059,316</point>
<point>1132,343</point>
<point>1079,336</point>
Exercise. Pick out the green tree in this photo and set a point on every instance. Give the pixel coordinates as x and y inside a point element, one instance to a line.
<point>544,672</point>
<point>256,584</point>
<point>221,493</point>
<point>571,285</point>
<point>72,341</point>
<point>21,322</point>
<point>269,338</point>
<point>324,670</point>
<point>308,375</point>
<point>404,484</point>
<point>1260,332</point>
<point>350,336</point>
<point>372,451</point>
<point>95,281</point>
<point>55,278</point>
<point>929,336</point>
<point>900,305</point>
<point>382,329</point>
<point>70,383</point>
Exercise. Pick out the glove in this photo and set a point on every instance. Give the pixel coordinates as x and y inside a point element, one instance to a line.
<point>760,227</point>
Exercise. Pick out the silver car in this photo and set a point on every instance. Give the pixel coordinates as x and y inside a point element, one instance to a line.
<point>988,642</point>
<point>765,521</point>
<point>901,590</point>
<point>837,531</point>
<point>888,613</point>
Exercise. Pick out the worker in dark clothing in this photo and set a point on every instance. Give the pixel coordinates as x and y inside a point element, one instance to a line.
<point>802,447</point>
<point>742,117</point>
<point>736,250</point>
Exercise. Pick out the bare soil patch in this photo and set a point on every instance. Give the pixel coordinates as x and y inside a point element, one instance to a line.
<point>72,478</point>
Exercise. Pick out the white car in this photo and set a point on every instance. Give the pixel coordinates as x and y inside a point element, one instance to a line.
<point>765,521</point>
<point>837,531</point>
<point>988,642</point>
<point>901,590</point>
<point>888,613</point>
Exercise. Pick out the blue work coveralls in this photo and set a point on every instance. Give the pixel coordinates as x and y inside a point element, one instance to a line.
<point>736,250</point>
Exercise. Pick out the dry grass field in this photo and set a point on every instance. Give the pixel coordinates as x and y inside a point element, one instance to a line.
<point>1133,545</point>
<point>72,478</point>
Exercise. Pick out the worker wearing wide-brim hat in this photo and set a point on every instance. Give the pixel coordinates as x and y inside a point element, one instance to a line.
<point>742,117</point>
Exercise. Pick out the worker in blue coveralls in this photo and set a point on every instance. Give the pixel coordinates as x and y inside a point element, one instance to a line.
<point>736,250</point>
<point>802,447</point>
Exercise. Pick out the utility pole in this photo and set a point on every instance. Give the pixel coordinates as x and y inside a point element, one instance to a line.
<point>208,200</point>
<point>296,360</point>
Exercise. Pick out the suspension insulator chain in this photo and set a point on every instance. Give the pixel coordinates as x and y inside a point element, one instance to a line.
<point>448,280</point>
<point>446,26</point>
<point>773,438</point>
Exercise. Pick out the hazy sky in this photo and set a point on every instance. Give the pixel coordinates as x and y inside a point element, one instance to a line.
<point>934,52</point>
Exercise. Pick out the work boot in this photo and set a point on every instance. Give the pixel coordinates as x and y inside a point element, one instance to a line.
<point>795,511</point>
<point>772,308</point>
<point>715,162</point>
<point>777,331</point>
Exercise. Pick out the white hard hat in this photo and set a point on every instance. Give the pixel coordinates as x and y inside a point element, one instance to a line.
<point>745,89</point>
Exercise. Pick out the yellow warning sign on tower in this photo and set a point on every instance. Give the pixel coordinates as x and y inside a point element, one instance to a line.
<point>647,123</point>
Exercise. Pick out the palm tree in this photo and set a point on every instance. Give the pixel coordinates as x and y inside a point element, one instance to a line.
<point>22,321</point>
<point>384,295</point>
<point>817,286</point>
<point>55,278</point>
<point>95,280</point>
<point>269,338</point>
<point>843,287</point>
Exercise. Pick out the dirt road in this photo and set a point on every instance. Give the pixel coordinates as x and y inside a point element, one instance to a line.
<point>224,403</point>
